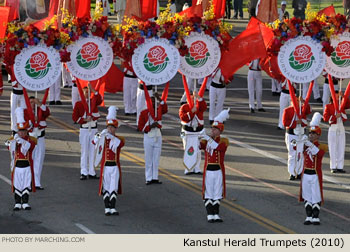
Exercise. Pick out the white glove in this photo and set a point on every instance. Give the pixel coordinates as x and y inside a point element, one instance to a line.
<point>206,137</point>
<point>308,143</point>
<point>114,143</point>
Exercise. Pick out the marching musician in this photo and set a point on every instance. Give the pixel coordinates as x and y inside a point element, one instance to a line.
<point>152,138</point>
<point>108,147</point>
<point>192,122</point>
<point>42,113</point>
<point>336,133</point>
<point>214,185</point>
<point>311,191</point>
<point>87,118</point>
<point>293,138</point>
<point>21,147</point>
<point>129,90</point>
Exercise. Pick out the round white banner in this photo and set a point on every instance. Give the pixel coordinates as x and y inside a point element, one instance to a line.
<point>156,61</point>
<point>338,63</point>
<point>91,58</point>
<point>37,67</point>
<point>203,57</point>
<point>301,59</point>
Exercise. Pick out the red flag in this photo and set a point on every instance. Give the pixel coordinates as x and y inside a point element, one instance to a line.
<point>267,11</point>
<point>114,80</point>
<point>219,9</point>
<point>141,9</point>
<point>250,44</point>
<point>4,18</point>
<point>83,8</point>
<point>270,66</point>
<point>14,9</point>
<point>328,11</point>
<point>193,11</point>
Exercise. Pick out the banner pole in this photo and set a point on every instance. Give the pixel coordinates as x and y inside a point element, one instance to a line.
<point>155,103</point>
<point>89,112</point>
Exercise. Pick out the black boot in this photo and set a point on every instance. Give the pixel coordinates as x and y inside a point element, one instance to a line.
<point>18,201</point>
<point>112,202</point>
<point>107,205</point>
<point>315,213</point>
<point>216,206</point>
<point>210,211</point>
<point>25,199</point>
<point>308,209</point>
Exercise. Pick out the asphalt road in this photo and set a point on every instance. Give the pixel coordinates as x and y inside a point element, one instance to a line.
<point>260,198</point>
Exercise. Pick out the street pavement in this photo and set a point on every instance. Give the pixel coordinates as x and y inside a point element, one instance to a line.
<point>260,197</point>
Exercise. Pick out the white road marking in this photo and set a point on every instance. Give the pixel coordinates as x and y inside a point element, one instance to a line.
<point>85,229</point>
<point>5,179</point>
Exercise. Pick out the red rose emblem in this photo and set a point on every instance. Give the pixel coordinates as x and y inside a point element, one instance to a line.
<point>302,54</point>
<point>90,51</point>
<point>198,50</point>
<point>343,50</point>
<point>39,61</point>
<point>156,55</point>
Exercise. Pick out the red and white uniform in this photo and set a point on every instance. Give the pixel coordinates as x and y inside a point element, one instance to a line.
<point>311,180</point>
<point>293,139</point>
<point>217,94</point>
<point>22,175</point>
<point>87,132</point>
<point>255,84</point>
<point>336,135</point>
<point>39,151</point>
<point>152,140</point>
<point>192,127</point>
<point>129,91</point>
<point>214,186</point>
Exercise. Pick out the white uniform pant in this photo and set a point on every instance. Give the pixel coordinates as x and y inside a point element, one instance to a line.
<point>254,87</point>
<point>284,103</point>
<point>129,94</point>
<point>336,144</point>
<point>153,149</point>
<point>295,156</point>
<point>16,101</point>
<point>326,95</point>
<point>38,159</point>
<point>311,188</point>
<point>110,179</point>
<point>196,168</point>
<point>87,151</point>
<point>190,84</point>
<point>55,91</point>
<point>216,101</point>
<point>75,95</point>
<point>213,185</point>
<point>315,90</point>
<point>66,77</point>
<point>22,180</point>
<point>275,86</point>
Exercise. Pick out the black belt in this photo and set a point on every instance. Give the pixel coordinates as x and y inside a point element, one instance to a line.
<point>148,87</point>
<point>285,91</point>
<point>42,134</point>
<point>130,76</point>
<point>309,171</point>
<point>74,85</point>
<point>17,92</point>
<point>213,167</point>
<point>217,85</point>
<point>255,70</point>
<point>290,131</point>
<point>88,127</point>
<point>190,129</point>
<point>110,163</point>
<point>22,163</point>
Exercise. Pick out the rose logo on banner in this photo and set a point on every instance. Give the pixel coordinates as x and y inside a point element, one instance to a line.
<point>38,65</point>
<point>190,151</point>
<point>198,54</point>
<point>156,60</point>
<point>301,58</point>
<point>88,57</point>
<point>341,55</point>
